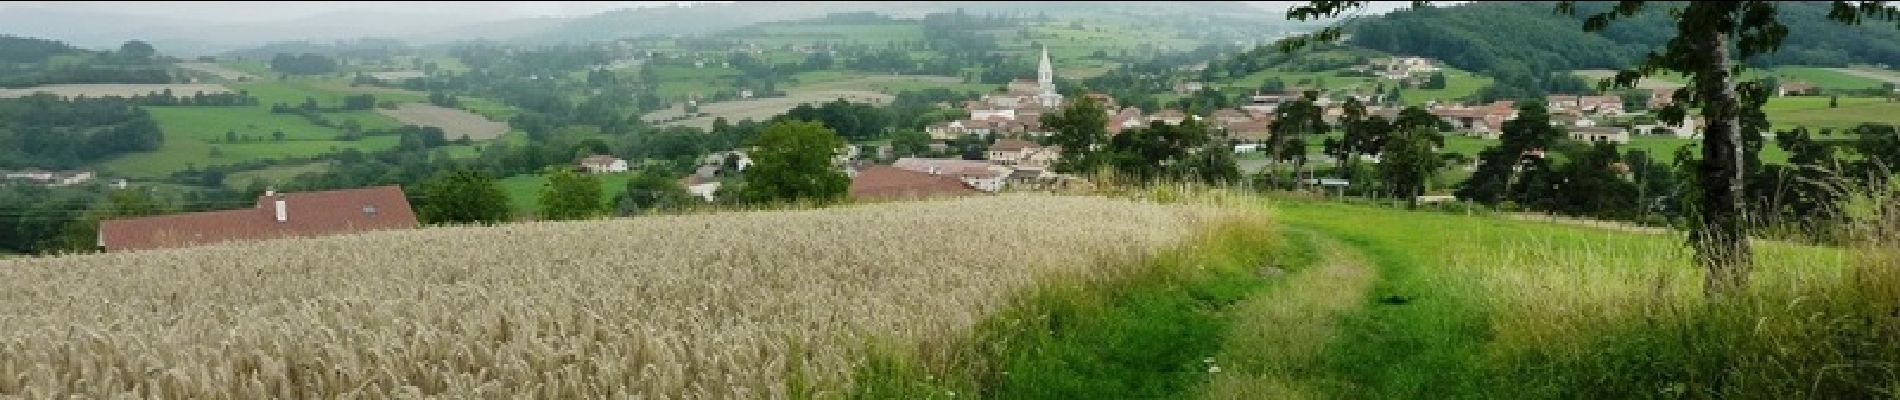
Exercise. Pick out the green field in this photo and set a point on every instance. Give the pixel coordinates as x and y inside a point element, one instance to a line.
<point>683,81</point>
<point>775,35</point>
<point>524,191</point>
<point>1824,78</point>
<point>276,174</point>
<point>1813,112</point>
<point>1374,302</point>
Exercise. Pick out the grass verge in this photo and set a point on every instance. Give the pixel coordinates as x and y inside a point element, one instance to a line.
<point>1143,333</point>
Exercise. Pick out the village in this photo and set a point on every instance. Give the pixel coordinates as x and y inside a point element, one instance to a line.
<point>1011,120</point>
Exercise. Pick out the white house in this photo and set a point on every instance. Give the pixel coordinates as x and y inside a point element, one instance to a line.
<point>704,191</point>
<point>601,164</point>
<point>1594,134</point>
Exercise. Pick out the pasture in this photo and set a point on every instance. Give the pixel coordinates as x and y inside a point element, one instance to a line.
<point>217,71</point>
<point>116,89</point>
<point>454,123</point>
<point>524,191</point>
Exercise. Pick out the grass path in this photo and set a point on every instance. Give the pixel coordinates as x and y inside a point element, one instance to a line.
<point>1279,336</point>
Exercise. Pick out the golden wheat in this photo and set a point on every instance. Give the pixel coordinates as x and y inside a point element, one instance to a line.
<point>700,306</point>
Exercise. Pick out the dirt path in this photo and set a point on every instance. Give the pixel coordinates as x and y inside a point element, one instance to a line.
<point>1891,77</point>
<point>1282,332</point>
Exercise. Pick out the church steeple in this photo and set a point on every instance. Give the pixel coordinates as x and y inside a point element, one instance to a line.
<point>1045,73</point>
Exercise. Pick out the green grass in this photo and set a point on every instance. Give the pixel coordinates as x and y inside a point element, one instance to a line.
<point>1145,334</point>
<point>775,35</point>
<point>677,81</point>
<point>1486,307</point>
<point>191,132</point>
<point>276,174</point>
<point>524,191</point>
<point>1458,84</point>
<point>1824,78</point>
<point>1813,112</point>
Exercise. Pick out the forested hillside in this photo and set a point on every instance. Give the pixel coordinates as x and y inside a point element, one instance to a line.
<point>28,62</point>
<point>1489,36</point>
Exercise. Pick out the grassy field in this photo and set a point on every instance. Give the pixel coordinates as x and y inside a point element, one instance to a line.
<point>524,191</point>
<point>1476,307</point>
<point>775,35</point>
<point>191,132</point>
<point>277,174</point>
<point>115,89</point>
<point>680,82</point>
<point>1825,78</point>
<point>746,305</point>
<point>1814,113</point>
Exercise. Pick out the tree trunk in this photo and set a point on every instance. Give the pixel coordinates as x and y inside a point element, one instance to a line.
<point>1721,241</point>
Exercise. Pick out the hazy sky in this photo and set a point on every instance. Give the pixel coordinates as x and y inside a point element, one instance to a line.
<point>259,11</point>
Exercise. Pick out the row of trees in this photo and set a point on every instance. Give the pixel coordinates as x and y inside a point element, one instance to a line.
<point>48,132</point>
<point>793,162</point>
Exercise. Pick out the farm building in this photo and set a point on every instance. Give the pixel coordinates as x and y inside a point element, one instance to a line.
<point>276,215</point>
<point>1592,134</point>
<point>892,183</point>
<point>600,164</point>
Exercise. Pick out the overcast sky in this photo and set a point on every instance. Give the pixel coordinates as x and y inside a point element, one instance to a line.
<point>260,11</point>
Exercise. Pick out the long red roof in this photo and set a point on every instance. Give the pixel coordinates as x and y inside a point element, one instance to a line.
<point>307,214</point>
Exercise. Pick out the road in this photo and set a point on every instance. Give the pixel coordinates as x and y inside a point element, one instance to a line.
<point>1889,77</point>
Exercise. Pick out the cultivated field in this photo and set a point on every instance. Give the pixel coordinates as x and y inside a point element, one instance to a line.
<point>219,71</point>
<point>455,123</point>
<point>116,89</point>
<point>1594,75</point>
<point>813,87</point>
<point>706,306</point>
<point>759,109</point>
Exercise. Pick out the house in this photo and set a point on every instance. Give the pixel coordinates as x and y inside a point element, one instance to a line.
<point>1267,103</point>
<point>1170,117</point>
<point>601,164</point>
<point>1607,105</point>
<point>892,183</point>
<point>1795,89</point>
<point>1187,88</point>
<point>977,174</point>
<point>704,190</point>
<point>1686,130</point>
<point>1661,97</point>
<point>1250,131</point>
<point>276,215</point>
<point>1022,153</point>
<point>1010,151</point>
<point>50,178</point>
<point>1593,134</point>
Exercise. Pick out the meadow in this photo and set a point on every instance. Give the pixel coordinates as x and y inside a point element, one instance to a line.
<point>785,304</point>
<point>524,191</point>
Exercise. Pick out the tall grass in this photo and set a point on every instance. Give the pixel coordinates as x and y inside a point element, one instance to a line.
<point>781,304</point>
<point>1147,332</point>
<point>1497,308</point>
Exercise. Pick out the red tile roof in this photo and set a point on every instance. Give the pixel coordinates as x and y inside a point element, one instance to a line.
<point>1011,145</point>
<point>891,183</point>
<point>307,214</point>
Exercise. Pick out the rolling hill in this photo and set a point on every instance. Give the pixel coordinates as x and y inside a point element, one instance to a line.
<point>1484,36</point>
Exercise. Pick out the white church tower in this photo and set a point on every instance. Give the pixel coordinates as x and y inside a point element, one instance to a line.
<point>1046,78</point>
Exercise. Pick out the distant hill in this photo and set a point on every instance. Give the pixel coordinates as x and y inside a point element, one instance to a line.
<point>1483,36</point>
<point>26,62</point>
<point>712,17</point>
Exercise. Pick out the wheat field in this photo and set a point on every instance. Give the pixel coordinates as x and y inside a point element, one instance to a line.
<point>741,305</point>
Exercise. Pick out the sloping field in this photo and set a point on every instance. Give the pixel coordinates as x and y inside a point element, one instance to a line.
<point>219,71</point>
<point>455,123</point>
<point>705,306</point>
<point>759,109</point>
<point>116,89</point>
